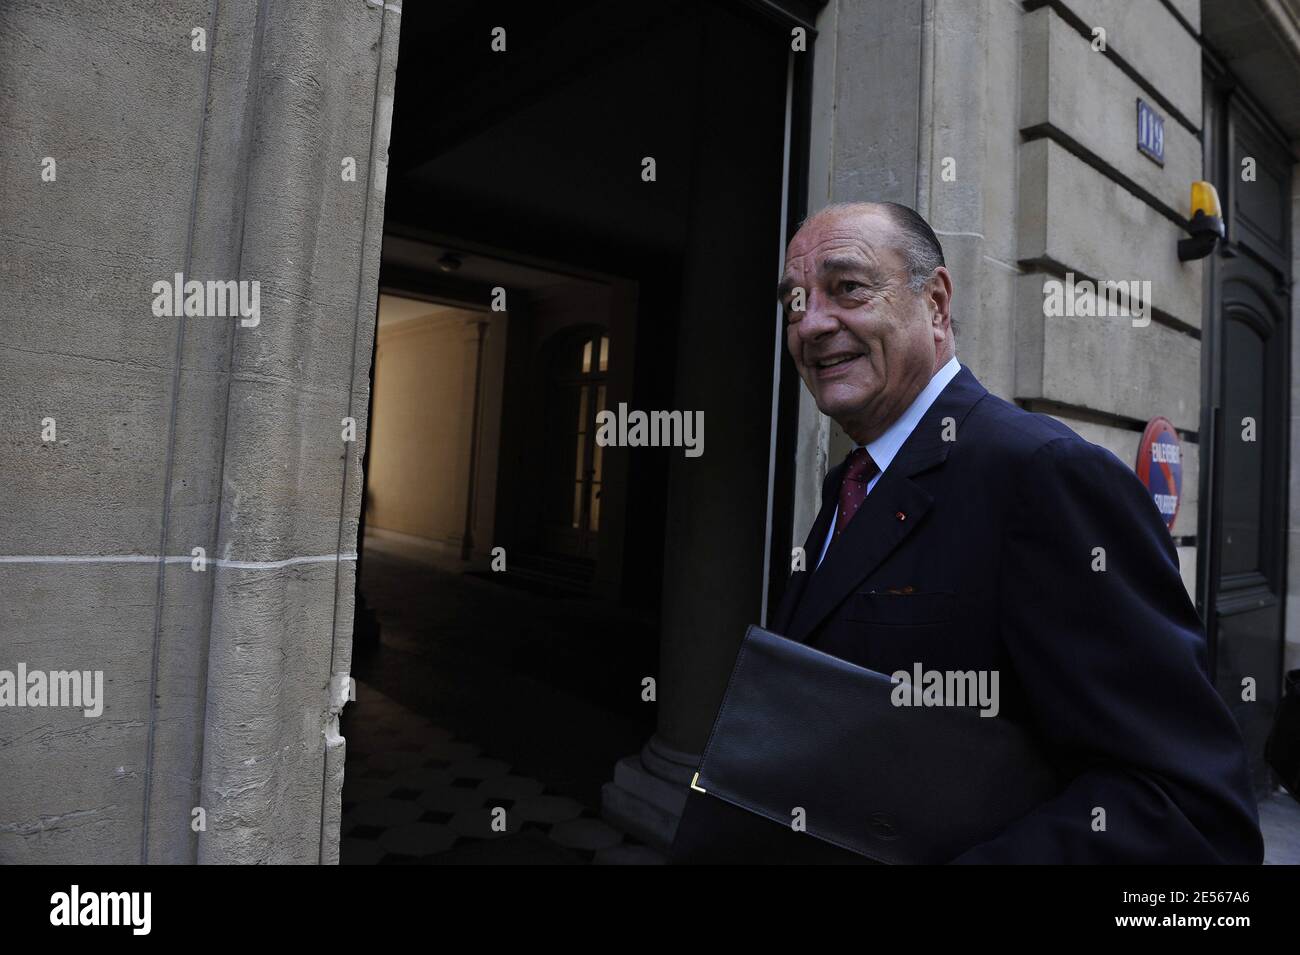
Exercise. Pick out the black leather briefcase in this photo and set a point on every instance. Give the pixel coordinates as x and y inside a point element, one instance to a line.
<point>802,735</point>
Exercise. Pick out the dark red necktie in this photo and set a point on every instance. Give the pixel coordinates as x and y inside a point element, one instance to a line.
<point>853,488</point>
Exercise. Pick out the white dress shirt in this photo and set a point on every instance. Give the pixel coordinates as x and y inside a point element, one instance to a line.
<point>884,449</point>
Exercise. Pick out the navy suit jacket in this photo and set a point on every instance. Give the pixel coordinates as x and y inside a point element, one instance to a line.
<point>978,553</point>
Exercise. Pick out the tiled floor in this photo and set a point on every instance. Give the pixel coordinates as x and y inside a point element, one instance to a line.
<point>482,697</point>
<point>414,794</point>
<point>552,686</point>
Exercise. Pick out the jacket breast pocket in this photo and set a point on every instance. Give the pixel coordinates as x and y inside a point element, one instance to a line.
<point>901,610</point>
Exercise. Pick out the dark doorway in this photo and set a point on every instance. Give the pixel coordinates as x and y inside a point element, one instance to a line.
<point>520,175</point>
<point>1246,350</point>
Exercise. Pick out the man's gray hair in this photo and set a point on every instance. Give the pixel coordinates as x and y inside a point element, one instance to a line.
<point>919,245</point>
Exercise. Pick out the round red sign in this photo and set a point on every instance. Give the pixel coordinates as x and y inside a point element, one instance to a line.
<point>1160,467</point>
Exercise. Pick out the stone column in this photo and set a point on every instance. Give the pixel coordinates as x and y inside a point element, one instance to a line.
<point>181,534</point>
<point>715,526</point>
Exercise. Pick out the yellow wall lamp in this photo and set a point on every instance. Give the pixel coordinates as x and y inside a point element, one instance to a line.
<point>1206,227</point>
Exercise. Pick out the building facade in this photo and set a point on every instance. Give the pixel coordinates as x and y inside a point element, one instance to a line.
<point>1014,129</point>
<point>253,144</point>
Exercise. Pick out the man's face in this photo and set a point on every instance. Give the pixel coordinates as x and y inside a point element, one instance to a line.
<point>866,344</point>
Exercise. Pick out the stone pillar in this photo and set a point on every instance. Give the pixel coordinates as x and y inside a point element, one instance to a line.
<point>715,524</point>
<point>473,336</point>
<point>219,148</point>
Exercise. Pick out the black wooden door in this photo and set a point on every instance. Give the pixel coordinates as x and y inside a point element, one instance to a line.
<point>1246,349</point>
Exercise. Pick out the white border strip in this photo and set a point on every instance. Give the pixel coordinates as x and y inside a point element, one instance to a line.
<point>147,559</point>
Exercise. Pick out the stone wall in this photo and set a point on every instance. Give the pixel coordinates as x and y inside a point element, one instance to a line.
<point>1002,125</point>
<point>212,141</point>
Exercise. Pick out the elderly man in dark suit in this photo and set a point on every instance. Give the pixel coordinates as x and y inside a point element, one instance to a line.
<point>963,533</point>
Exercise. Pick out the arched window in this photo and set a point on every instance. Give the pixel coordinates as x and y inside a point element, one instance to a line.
<point>576,394</point>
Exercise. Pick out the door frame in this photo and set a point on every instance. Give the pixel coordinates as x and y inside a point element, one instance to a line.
<point>1225,104</point>
<point>786,384</point>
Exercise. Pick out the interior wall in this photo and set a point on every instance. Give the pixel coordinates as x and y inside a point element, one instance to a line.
<point>422,418</point>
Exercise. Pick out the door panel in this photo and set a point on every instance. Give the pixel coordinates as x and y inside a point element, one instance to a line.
<point>1245,349</point>
<point>1249,584</point>
<point>1243,467</point>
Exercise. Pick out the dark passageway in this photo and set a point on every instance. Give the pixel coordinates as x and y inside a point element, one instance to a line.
<point>533,275</point>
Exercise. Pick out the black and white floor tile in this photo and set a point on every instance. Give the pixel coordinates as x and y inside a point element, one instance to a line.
<point>413,794</point>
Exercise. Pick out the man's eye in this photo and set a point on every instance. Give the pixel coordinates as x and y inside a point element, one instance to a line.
<point>847,287</point>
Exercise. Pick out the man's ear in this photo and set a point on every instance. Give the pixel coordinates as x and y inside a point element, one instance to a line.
<point>939,292</point>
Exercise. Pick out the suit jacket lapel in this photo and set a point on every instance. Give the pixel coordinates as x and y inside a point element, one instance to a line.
<point>812,548</point>
<point>893,509</point>
<point>870,537</point>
